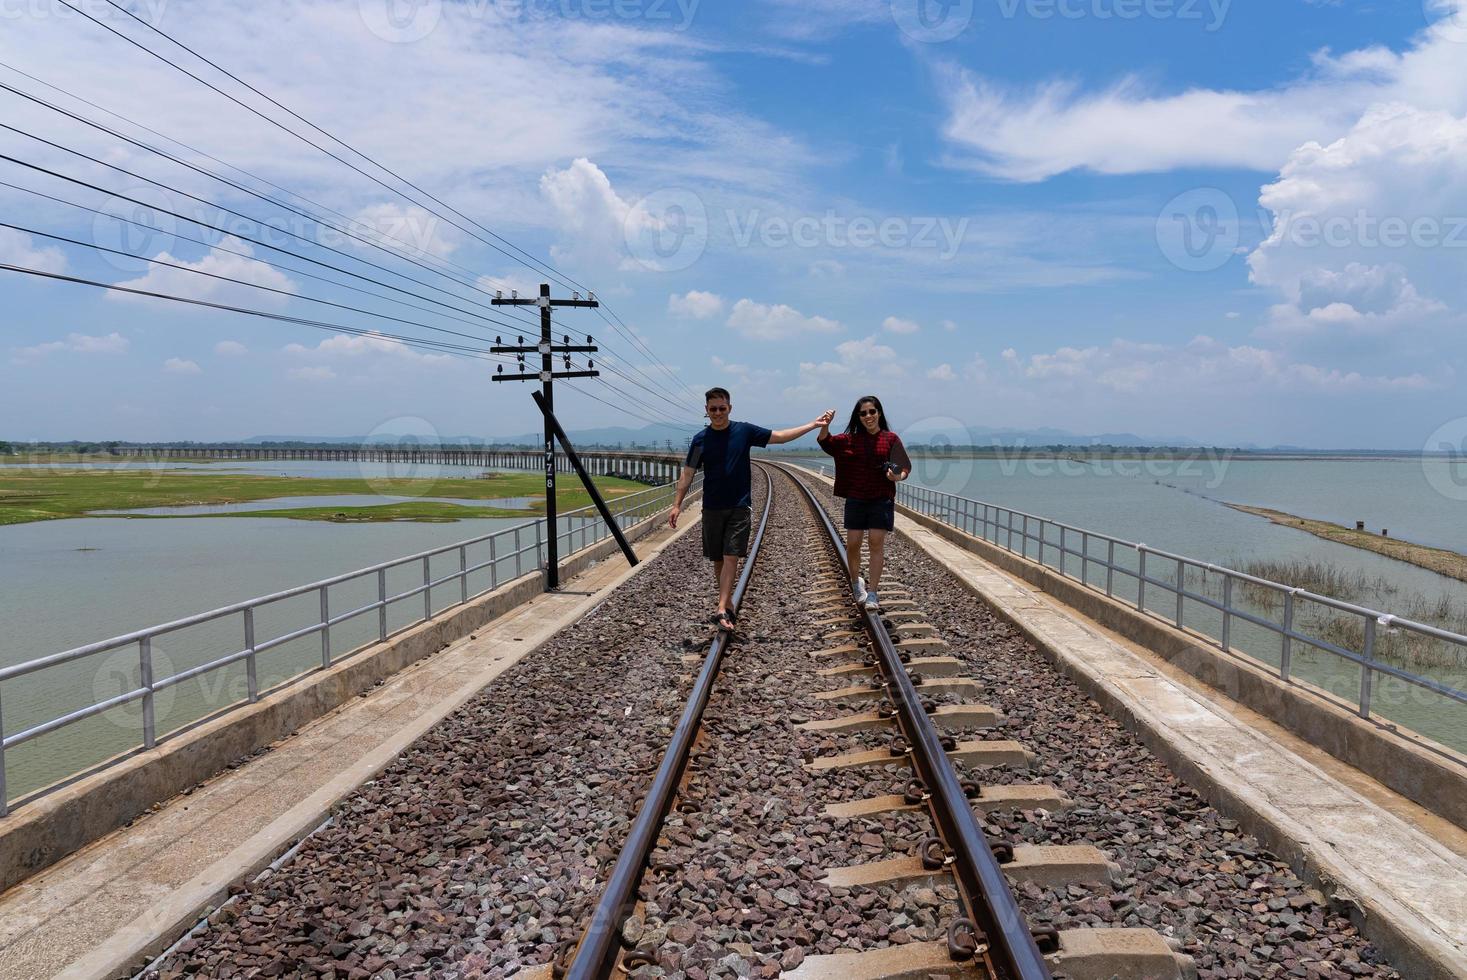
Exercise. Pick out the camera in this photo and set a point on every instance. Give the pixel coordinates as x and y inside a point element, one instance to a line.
<point>891,468</point>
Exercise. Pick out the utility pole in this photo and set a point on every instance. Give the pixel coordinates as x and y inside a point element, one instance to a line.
<point>546,376</point>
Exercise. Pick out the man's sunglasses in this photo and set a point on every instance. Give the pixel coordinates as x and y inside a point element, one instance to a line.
<point>868,411</point>
<point>716,409</point>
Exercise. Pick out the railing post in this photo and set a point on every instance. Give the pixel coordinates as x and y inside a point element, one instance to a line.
<point>1110,567</point>
<point>493,564</point>
<point>1286,650</point>
<point>251,677</point>
<point>381,604</point>
<point>1064,556</point>
<point>1227,612</point>
<point>145,675</point>
<point>463,573</point>
<point>1367,673</point>
<point>1181,586</point>
<point>518,550</point>
<point>427,591</point>
<point>1141,578</point>
<point>4,796</point>
<point>325,629</point>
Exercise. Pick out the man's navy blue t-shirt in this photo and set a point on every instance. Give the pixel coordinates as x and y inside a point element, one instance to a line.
<point>724,458</point>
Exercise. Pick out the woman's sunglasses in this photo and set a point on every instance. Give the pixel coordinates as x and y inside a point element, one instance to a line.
<point>868,411</point>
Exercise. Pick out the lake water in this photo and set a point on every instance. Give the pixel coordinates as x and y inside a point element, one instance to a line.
<point>338,500</point>
<point>67,583</point>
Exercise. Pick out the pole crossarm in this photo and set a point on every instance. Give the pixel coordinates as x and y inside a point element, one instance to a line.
<point>550,349</point>
<point>553,375</point>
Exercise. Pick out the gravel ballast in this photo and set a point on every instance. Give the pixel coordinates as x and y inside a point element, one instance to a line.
<point>484,846</point>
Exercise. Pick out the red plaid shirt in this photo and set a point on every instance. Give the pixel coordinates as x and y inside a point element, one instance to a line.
<point>858,461</point>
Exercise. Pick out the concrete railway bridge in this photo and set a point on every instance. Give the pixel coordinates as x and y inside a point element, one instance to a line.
<point>354,802</point>
<point>649,467</point>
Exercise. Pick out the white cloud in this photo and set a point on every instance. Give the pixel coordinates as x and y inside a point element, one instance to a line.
<point>190,285</point>
<point>862,364</point>
<point>407,229</point>
<point>178,365</point>
<point>1128,127</point>
<point>18,248</point>
<point>311,374</point>
<point>827,269</point>
<point>591,215</point>
<point>759,321</point>
<point>943,372</point>
<point>353,346</point>
<point>1204,364</point>
<point>1370,232</point>
<point>949,326</point>
<point>810,19</point>
<point>894,324</point>
<point>75,343</point>
<point>696,304</point>
<point>509,284</point>
<point>230,348</point>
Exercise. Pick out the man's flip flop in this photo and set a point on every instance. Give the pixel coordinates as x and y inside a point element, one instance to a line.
<point>728,618</point>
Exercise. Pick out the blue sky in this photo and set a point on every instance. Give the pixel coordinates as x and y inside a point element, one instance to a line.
<point>1236,222</point>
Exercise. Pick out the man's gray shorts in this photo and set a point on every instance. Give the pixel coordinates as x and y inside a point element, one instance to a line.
<point>726,532</point>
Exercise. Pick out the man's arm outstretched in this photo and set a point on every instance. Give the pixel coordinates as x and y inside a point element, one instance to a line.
<point>779,436</point>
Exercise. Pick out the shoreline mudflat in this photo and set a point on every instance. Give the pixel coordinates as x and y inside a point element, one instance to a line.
<point>1439,560</point>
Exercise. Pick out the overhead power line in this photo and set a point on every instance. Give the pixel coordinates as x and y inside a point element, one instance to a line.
<point>499,243</point>
<point>478,353</point>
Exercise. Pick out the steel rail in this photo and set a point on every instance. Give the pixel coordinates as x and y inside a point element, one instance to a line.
<point>986,894</point>
<point>597,955</point>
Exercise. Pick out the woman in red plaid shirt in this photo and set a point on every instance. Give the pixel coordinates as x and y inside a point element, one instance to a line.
<point>869,462</point>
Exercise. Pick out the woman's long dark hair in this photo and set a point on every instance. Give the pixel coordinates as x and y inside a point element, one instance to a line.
<point>854,425</point>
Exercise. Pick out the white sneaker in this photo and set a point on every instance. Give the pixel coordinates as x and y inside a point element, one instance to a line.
<point>859,589</point>
<point>871,601</point>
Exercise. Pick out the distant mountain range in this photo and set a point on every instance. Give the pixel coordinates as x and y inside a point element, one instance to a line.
<point>953,434</point>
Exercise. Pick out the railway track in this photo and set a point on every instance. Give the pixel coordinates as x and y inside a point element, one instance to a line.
<point>900,704</point>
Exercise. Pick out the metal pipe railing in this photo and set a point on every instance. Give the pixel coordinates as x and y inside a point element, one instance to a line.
<point>630,509</point>
<point>1001,525</point>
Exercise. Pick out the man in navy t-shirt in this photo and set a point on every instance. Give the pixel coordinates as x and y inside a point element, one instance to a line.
<point>722,451</point>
